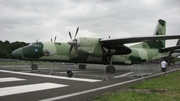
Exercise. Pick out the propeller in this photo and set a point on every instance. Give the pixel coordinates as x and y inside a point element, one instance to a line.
<point>54,39</point>
<point>73,42</point>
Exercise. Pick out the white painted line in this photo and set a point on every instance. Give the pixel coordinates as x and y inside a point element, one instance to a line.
<point>28,88</point>
<point>51,76</point>
<point>95,89</point>
<point>10,79</point>
<point>123,75</point>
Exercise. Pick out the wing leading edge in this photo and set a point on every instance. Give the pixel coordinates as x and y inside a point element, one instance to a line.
<point>121,41</point>
<point>159,34</point>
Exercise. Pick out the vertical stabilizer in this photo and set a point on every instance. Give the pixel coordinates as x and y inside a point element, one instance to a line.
<point>160,30</point>
<point>155,44</point>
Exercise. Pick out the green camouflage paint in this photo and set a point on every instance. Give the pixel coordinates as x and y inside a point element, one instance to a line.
<point>155,44</point>
<point>90,51</point>
<point>33,51</point>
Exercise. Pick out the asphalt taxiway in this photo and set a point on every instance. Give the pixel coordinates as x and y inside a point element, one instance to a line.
<point>22,84</point>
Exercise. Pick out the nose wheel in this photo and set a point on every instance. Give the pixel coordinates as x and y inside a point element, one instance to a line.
<point>34,67</point>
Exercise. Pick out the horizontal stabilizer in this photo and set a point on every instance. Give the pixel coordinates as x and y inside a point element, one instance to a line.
<point>173,48</point>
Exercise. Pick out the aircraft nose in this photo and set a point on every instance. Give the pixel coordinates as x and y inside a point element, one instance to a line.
<point>17,53</point>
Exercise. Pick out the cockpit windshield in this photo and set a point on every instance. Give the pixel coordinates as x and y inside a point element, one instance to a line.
<point>31,44</point>
<point>35,45</point>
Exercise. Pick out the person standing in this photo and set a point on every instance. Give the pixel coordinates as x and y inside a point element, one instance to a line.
<point>163,67</point>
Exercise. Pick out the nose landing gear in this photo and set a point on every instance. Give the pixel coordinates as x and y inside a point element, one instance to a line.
<point>34,67</point>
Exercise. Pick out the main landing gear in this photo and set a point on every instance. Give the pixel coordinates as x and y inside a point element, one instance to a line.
<point>110,68</point>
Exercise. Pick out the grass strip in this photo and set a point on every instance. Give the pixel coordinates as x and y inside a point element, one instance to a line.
<point>163,88</point>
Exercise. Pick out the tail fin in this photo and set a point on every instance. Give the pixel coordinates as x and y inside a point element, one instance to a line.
<point>160,30</point>
<point>155,44</point>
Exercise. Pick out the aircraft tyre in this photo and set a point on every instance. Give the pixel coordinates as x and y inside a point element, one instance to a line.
<point>82,67</point>
<point>69,73</point>
<point>110,69</point>
<point>34,67</point>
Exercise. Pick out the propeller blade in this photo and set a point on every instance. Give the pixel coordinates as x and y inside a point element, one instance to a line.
<point>70,35</point>
<point>55,38</point>
<point>70,49</point>
<point>73,42</point>
<point>76,32</point>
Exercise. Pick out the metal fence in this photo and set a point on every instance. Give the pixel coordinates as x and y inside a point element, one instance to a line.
<point>140,70</point>
<point>14,64</point>
<point>136,70</point>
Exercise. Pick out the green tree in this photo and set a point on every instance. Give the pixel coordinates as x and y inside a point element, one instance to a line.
<point>6,48</point>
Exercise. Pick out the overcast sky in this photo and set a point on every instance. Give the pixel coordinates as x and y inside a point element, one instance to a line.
<point>28,20</point>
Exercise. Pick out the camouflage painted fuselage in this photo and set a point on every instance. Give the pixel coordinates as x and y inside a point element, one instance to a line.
<point>96,50</point>
<point>50,51</point>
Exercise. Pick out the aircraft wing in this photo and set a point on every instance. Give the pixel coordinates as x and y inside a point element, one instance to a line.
<point>120,41</point>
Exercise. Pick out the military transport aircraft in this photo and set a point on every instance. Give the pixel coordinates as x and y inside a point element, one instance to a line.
<point>100,51</point>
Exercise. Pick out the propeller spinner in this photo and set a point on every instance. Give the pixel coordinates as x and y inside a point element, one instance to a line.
<point>73,42</point>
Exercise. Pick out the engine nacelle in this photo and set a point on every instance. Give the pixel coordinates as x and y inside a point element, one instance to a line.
<point>116,50</point>
<point>91,46</point>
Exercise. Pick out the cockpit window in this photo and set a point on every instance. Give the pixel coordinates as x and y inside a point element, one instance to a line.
<point>30,45</point>
<point>39,45</point>
<point>35,45</point>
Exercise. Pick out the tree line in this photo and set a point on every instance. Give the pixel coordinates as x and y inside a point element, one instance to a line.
<point>6,48</point>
